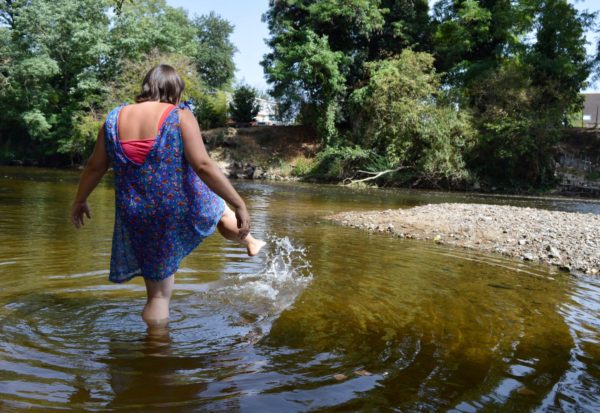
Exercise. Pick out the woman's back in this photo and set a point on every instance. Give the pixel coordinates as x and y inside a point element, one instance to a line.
<point>136,129</point>
<point>141,121</point>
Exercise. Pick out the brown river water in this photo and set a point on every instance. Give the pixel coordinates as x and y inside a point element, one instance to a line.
<point>328,319</point>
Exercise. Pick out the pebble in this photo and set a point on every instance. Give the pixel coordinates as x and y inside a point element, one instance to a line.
<point>566,239</point>
<point>528,256</point>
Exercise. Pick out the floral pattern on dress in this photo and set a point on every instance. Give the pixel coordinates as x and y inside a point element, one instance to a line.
<point>163,210</point>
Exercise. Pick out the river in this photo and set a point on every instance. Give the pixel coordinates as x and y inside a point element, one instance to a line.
<point>326,319</point>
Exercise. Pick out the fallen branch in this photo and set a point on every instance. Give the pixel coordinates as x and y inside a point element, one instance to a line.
<point>349,181</point>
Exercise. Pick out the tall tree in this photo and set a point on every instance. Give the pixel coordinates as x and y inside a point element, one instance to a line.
<point>145,25</point>
<point>520,67</point>
<point>560,64</point>
<point>319,51</point>
<point>56,50</point>
<point>214,51</point>
<point>473,37</point>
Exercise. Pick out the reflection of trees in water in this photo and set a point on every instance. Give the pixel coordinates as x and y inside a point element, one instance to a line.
<point>445,331</point>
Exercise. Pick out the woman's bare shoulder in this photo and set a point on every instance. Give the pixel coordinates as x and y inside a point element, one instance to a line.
<point>187,116</point>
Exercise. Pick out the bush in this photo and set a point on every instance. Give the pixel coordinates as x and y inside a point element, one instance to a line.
<point>405,118</point>
<point>337,163</point>
<point>302,166</point>
<point>211,110</point>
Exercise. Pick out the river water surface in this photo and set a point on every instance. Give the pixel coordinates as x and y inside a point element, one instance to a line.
<point>327,319</point>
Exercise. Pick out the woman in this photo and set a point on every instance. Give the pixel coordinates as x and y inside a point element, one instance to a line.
<point>168,192</point>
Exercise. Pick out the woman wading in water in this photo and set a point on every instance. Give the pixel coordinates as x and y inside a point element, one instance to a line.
<point>169,194</point>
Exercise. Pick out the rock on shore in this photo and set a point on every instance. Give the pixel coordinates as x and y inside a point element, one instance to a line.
<point>568,240</point>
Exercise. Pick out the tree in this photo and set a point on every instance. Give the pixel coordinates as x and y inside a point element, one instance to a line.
<point>146,25</point>
<point>244,106</point>
<point>519,66</point>
<point>55,54</point>
<point>320,50</point>
<point>214,51</point>
<point>401,115</point>
<point>64,63</point>
<point>560,65</point>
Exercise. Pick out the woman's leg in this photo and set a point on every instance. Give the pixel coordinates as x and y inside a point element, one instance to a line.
<point>228,228</point>
<point>156,310</point>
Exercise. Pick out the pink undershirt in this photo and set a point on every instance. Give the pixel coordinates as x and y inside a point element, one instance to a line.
<point>137,150</point>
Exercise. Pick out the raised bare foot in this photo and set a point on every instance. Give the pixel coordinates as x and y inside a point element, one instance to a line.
<point>255,246</point>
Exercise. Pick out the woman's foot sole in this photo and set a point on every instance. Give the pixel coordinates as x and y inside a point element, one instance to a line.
<point>255,247</point>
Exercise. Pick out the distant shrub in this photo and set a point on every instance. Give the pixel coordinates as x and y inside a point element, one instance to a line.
<point>337,163</point>
<point>302,166</point>
<point>211,110</point>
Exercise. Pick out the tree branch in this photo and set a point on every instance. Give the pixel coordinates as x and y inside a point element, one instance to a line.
<point>376,175</point>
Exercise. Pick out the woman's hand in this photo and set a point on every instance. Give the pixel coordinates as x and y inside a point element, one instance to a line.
<point>77,211</point>
<point>243,221</point>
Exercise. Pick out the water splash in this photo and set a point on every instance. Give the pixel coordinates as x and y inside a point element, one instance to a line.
<point>283,275</point>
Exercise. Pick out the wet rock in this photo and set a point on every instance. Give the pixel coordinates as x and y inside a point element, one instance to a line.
<point>340,377</point>
<point>258,173</point>
<point>363,373</point>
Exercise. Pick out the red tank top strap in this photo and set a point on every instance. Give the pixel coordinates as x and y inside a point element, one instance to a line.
<point>164,115</point>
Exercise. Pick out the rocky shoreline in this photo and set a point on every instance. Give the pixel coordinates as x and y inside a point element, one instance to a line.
<point>568,240</point>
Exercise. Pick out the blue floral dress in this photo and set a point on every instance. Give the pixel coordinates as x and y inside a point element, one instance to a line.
<point>162,209</point>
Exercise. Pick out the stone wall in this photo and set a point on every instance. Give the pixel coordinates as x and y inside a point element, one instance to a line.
<point>578,162</point>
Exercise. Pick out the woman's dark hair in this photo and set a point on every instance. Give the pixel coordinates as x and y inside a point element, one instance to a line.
<point>161,83</point>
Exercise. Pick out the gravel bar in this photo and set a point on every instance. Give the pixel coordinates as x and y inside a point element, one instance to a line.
<point>568,240</point>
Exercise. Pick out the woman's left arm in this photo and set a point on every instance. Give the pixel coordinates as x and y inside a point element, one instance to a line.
<point>94,170</point>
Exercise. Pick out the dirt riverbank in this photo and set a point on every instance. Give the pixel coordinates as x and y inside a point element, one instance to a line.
<point>568,240</point>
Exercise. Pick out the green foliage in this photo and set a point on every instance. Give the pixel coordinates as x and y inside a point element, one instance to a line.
<point>522,104</point>
<point>51,67</point>
<point>64,63</point>
<point>343,66</point>
<point>83,137</point>
<point>400,115</point>
<point>146,25</point>
<point>302,167</point>
<point>335,163</point>
<point>307,75</point>
<point>319,51</point>
<point>211,110</point>
<point>560,66</point>
<point>243,107</point>
<point>214,52</point>
<point>516,138</point>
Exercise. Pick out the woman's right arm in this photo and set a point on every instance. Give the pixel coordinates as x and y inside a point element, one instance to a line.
<point>209,171</point>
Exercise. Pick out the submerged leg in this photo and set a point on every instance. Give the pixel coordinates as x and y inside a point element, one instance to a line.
<point>228,228</point>
<point>156,310</point>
